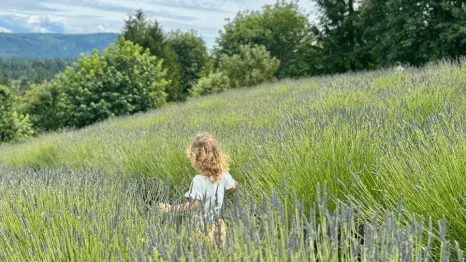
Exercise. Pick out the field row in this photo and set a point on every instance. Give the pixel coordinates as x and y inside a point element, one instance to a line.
<point>63,215</point>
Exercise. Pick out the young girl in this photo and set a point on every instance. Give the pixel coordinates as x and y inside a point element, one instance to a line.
<point>208,188</point>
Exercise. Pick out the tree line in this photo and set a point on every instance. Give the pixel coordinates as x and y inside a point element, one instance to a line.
<point>149,67</point>
<point>18,74</point>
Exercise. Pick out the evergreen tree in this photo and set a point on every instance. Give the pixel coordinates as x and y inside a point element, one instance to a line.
<point>5,79</point>
<point>40,77</point>
<point>24,84</point>
<point>340,37</point>
<point>192,55</point>
<point>150,35</point>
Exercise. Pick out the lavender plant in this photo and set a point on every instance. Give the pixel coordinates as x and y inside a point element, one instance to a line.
<point>86,215</point>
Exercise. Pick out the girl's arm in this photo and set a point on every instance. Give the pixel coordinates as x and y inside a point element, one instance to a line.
<point>192,205</point>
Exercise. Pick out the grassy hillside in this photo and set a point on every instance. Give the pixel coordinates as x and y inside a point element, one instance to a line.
<point>37,46</point>
<point>387,140</point>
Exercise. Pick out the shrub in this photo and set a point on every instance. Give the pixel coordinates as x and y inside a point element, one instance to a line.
<point>252,66</point>
<point>213,83</point>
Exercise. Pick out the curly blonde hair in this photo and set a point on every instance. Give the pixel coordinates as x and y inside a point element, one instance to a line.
<point>206,157</point>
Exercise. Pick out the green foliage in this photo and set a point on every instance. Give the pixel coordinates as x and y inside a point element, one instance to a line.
<point>150,35</point>
<point>5,80</point>
<point>339,36</point>
<point>29,71</point>
<point>6,117</point>
<point>448,29</point>
<point>22,126</point>
<point>46,106</point>
<point>13,127</point>
<point>23,84</point>
<point>122,80</point>
<point>379,33</point>
<point>282,28</point>
<point>47,46</point>
<point>252,66</point>
<point>213,83</point>
<point>359,35</point>
<point>191,53</point>
<point>397,31</point>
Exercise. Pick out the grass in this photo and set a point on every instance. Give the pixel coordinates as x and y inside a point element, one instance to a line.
<point>372,137</point>
<point>86,215</point>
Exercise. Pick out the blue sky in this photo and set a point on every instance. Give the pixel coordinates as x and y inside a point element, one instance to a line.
<point>91,16</point>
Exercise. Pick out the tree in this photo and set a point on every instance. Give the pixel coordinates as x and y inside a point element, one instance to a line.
<point>414,32</point>
<point>399,31</point>
<point>370,14</point>
<point>122,80</point>
<point>24,84</point>
<point>282,28</point>
<point>5,79</point>
<point>13,126</point>
<point>46,106</point>
<point>40,76</point>
<point>191,53</point>
<point>252,66</point>
<point>340,37</point>
<point>6,117</point>
<point>446,27</point>
<point>18,69</point>
<point>139,30</point>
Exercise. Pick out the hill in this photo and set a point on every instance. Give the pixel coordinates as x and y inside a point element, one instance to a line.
<point>39,46</point>
<point>387,140</point>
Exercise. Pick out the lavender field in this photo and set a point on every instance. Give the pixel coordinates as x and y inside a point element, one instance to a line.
<point>63,215</point>
<point>389,147</point>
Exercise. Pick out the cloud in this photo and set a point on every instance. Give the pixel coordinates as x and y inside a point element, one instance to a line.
<point>21,23</point>
<point>90,16</point>
<point>4,30</point>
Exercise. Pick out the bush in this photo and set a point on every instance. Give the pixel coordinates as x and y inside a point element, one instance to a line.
<point>213,83</point>
<point>122,80</point>
<point>252,66</point>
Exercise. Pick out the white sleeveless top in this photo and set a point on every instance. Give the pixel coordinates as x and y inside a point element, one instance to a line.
<point>210,194</point>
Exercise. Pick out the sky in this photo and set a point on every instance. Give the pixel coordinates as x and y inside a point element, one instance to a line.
<point>207,17</point>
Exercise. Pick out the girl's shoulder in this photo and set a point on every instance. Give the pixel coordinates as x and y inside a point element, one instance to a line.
<point>198,177</point>
<point>203,179</point>
<point>226,175</point>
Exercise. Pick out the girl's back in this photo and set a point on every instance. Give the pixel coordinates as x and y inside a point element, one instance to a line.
<point>211,194</point>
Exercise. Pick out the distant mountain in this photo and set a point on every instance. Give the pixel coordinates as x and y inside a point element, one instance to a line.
<point>36,46</point>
